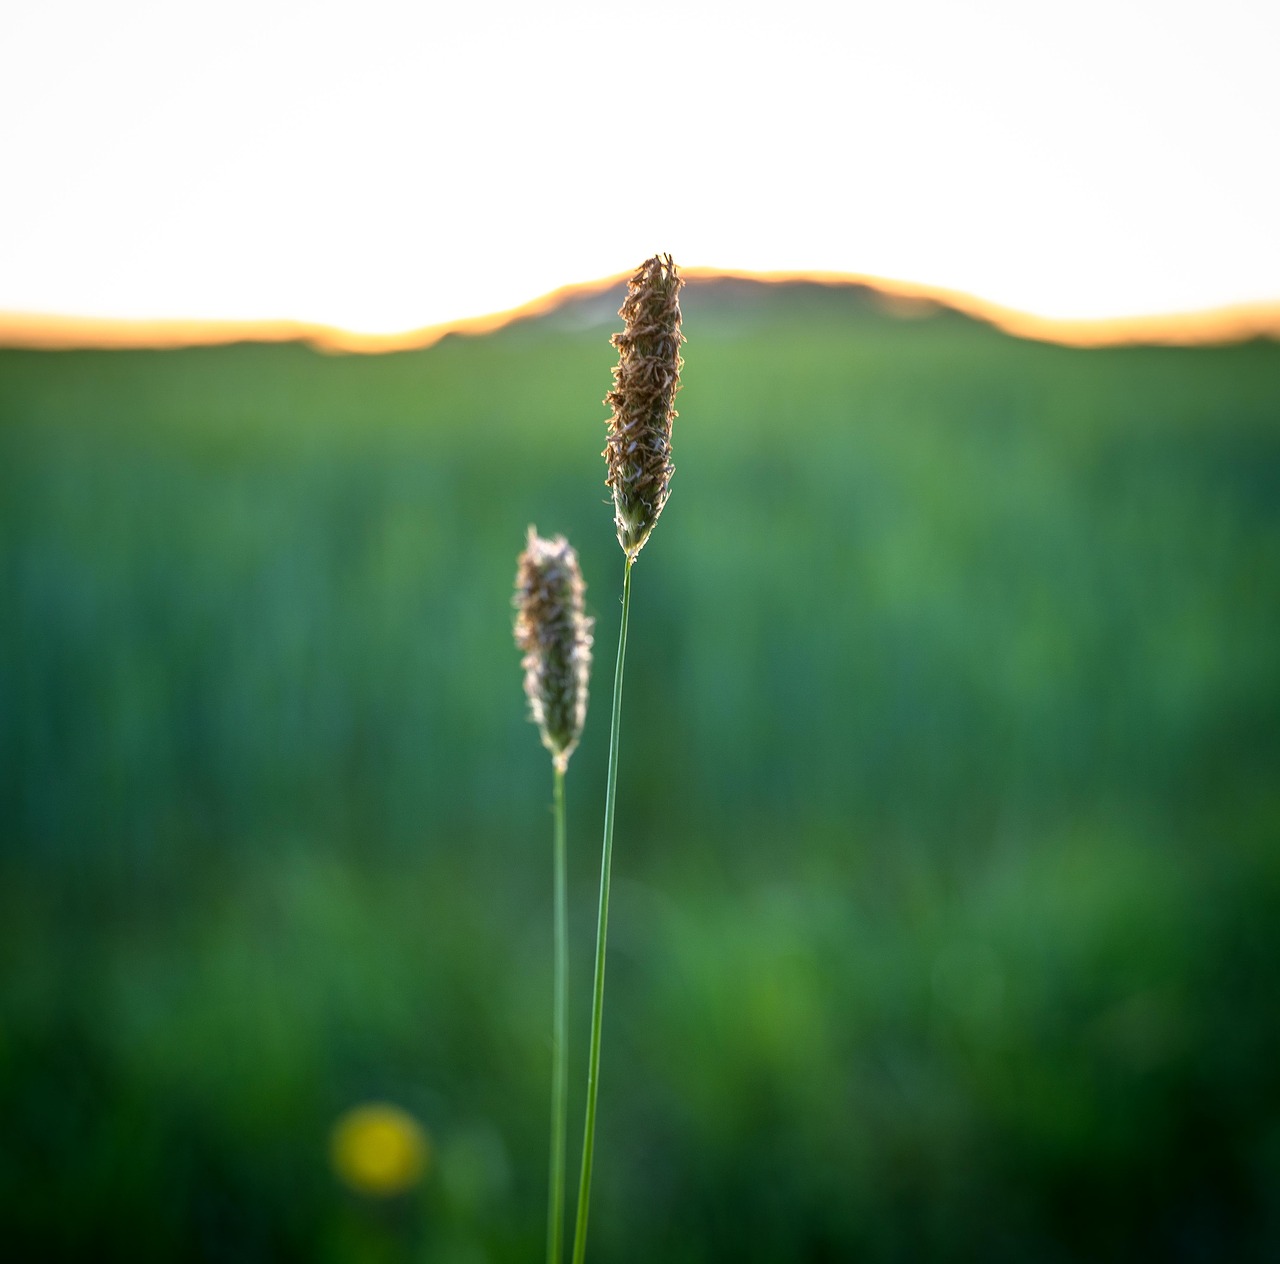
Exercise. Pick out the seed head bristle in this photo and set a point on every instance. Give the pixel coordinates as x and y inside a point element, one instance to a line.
<point>638,450</point>
<point>555,636</point>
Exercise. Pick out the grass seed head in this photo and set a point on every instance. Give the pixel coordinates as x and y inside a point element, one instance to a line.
<point>638,451</point>
<point>555,636</point>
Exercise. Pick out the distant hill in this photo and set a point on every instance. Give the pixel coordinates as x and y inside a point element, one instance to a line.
<point>720,303</point>
<point>741,304</point>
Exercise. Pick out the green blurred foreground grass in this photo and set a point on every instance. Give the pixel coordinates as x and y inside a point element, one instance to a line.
<point>946,882</point>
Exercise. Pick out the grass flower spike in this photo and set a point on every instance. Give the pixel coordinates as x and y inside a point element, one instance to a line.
<point>555,636</point>
<point>638,452</point>
<point>638,455</point>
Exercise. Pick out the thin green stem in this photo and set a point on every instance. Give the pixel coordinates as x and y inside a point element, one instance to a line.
<point>559,1039</point>
<point>602,928</point>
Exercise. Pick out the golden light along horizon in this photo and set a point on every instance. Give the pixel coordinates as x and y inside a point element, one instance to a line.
<point>56,331</point>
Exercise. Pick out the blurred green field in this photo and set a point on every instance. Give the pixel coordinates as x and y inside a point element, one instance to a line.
<point>946,879</point>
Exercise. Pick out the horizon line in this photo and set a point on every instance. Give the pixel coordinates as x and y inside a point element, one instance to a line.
<point>49,331</point>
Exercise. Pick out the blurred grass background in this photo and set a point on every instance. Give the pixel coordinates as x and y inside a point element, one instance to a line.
<point>946,882</point>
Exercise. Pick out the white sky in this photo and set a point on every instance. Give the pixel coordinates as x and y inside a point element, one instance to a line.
<point>381,165</point>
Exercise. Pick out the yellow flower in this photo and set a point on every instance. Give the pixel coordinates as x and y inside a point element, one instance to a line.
<point>379,1149</point>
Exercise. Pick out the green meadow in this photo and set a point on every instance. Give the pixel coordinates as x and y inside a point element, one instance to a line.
<point>946,907</point>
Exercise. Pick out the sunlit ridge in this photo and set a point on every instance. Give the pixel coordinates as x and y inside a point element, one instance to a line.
<point>49,331</point>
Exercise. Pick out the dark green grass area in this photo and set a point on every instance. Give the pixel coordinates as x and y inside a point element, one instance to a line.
<point>947,874</point>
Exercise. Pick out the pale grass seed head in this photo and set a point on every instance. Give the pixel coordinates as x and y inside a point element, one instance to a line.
<point>555,636</point>
<point>638,451</point>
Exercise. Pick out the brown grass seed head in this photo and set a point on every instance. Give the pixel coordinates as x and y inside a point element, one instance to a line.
<point>638,450</point>
<point>555,635</point>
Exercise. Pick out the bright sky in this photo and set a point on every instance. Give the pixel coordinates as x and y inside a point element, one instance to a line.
<point>381,165</point>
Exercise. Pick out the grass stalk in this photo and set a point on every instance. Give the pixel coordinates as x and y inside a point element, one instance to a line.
<point>602,929</point>
<point>559,1037</point>
<point>555,634</point>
